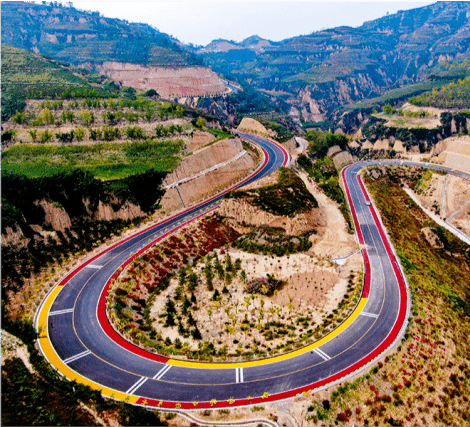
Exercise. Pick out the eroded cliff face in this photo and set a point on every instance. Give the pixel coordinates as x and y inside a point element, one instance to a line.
<point>56,219</point>
<point>168,82</point>
<point>206,172</point>
<point>315,102</point>
<point>244,213</point>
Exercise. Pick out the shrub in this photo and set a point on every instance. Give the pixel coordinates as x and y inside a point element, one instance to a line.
<point>110,133</point>
<point>135,132</point>
<point>19,118</point>
<point>264,285</point>
<point>79,134</point>
<point>65,136</point>
<point>45,136</point>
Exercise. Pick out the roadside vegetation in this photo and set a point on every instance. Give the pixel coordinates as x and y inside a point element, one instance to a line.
<point>287,197</point>
<point>38,395</point>
<point>273,241</point>
<point>76,196</point>
<point>189,297</point>
<point>200,294</point>
<point>321,168</point>
<point>425,381</point>
<point>105,161</point>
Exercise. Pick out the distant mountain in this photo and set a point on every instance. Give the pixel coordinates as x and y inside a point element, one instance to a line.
<point>253,43</point>
<point>76,36</point>
<point>312,75</point>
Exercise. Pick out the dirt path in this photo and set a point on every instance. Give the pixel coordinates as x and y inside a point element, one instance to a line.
<point>335,241</point>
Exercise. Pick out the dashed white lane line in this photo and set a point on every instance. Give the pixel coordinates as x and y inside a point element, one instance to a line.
<point>76,357</point>
<point>322,354</point>
<point>134,388</point>
<point>369,314</point>
<point>54,313</point>
<point>162,372</point>
<point>94,266</point>
<point>239,375</point>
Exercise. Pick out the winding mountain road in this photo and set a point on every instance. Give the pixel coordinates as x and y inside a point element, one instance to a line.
<point>78,341</point>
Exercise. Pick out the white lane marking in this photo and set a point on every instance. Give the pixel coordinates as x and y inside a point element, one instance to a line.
<point>68,310</point>
<point>239,375</point>
<point>162,372</point>
<point>76,357</point>
<point>94,266</point>
<point>322,354</point>
<point>134,388</point>
<point>369,314</point>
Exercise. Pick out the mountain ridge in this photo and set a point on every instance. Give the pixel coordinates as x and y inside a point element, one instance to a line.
<point>77,36</point>
<point>330,68</point>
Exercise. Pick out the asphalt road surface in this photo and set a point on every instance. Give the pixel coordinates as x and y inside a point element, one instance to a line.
<point>79,342</point>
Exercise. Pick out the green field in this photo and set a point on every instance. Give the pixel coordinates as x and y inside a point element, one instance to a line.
<point>106,161</point>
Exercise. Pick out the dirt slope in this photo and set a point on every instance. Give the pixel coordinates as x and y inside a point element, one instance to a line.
<point>168,82</point>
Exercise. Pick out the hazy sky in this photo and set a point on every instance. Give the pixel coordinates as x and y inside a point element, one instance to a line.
<point>200,22</point>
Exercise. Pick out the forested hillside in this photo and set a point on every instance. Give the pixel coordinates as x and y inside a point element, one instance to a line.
<point>77,36</point>
<point>453,95</point>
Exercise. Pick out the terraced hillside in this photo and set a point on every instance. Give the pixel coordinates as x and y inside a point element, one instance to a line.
<point>77,36</point>
<point>315,73</point>
<point>27,75</point>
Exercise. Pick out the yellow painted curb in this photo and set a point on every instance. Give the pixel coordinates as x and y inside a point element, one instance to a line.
<point>57,362</point>
<point>227,365</point>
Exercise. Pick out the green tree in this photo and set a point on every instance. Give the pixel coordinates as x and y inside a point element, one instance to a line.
<point>191,320</point>
<point>159,131</point>
<point>48,116</point>
<point>148,114</point>
<point>19,118</point>
<point>388,109</point>
<point>65,137</point>
<point>182,277</point>
<point>196,334</point>
<point>45,136</point>
<point>88,117</point>
<point>179,111</point>
<point>132,117</point>
<point>79,134</point>
<point>170,319</point>
<point>192,282</point>
<point>135,132</point>
<point>67,116</point>
<point>170,306</point>
<point>33,133</point>
<point>200,122</point>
